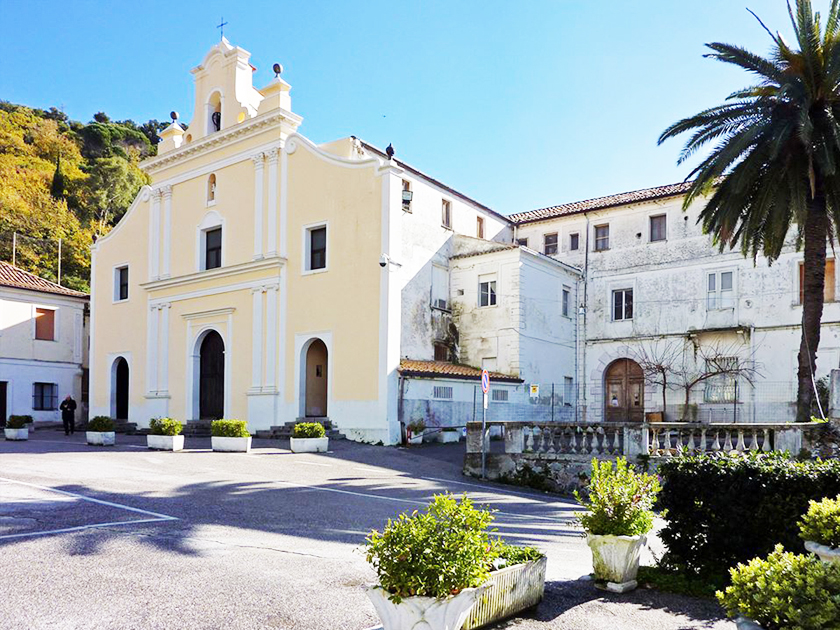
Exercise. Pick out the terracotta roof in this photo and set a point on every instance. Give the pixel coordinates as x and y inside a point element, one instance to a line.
<point>11,276</point>
<point>599,203</point>
<point>500,247</point>
<point>410,367</point>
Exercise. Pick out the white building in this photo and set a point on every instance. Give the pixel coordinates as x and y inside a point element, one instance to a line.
<point>43,346</point>
<point>650,278</point>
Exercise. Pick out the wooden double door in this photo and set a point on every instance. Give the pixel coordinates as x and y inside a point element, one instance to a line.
<point>624,392</point>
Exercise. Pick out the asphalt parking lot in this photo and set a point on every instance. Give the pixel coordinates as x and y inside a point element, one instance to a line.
<point>122,537</point>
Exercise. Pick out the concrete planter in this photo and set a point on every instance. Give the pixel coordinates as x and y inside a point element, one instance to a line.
<point>415,438</point>
<point>508,592</point>
<point>165,442</point>
<point>310,445</point>
<point>423,613</point>
<point>825,553</point>
<point>615,560</point>
<point>16,434</point>
<point>448,437</point>
<point>101,438</point>
<point>743,623</point>
<point>231,444</point>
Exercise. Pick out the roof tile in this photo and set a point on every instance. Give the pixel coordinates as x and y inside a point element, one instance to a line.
<point>410,367</point>
<point>11,276</point>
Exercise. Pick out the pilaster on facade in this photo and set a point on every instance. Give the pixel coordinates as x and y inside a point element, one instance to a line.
<point>257,339</point>
<point>157,351</point>
<point>259,176</point>
<point>154,236</point>
<point>167,231</point>
<point>273,157</point>
<point>264,341</point>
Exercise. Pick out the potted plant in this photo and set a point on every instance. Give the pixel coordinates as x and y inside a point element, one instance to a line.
<point>820,528</point>
<point>230,436</point>
<point>309,437</point>
<point>415,431</point>
<point>433,565</point>
<point>16,428</point>
<point>448,435</point>
<point>165,435</point>
<point>620,514</point>
<point>100,431</point>
<point>783,591</point>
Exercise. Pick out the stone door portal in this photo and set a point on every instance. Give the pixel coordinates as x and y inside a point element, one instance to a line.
<point>624,392</point>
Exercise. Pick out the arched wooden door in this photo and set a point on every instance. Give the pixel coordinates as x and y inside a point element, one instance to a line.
<point>624,392</point>
<point>121,394</point>
<point>316,380</point>
<point>211,382</point>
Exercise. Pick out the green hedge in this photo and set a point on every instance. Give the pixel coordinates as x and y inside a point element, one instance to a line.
<point>229,428</point>
<point>101,424</point>
<point>18,422</point>
<point>722,510</point>
<point>309,430</point>
<point>165,426</point>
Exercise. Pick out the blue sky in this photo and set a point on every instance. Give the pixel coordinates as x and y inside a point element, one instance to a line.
<point>519,104</point>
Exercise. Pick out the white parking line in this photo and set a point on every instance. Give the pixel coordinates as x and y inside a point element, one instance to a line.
<point>156,517</point>
<point>314,464</point>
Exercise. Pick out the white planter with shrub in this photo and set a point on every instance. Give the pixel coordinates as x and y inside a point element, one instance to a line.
<point>414,432</point>
<point>100,432</point>
<point>309,437</point>
<point>617,541</point>
<point>743,623</point>
<point>17,428</point>
<point>436,570</point>
<point>16,435</point>
<point>230,436</point>
<point>820,528</point>
<point>165,435</point>
<point>449,436</point>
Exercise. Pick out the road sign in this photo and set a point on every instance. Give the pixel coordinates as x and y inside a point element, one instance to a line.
<point>485,381</point>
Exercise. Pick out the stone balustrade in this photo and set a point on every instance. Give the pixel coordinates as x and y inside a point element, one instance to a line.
<point>563,450</point>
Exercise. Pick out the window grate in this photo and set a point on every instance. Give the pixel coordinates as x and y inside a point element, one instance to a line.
<point>499,395</point>
<point>442,392</point>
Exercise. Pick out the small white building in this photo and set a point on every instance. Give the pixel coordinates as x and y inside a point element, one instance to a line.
<point>43,346</point>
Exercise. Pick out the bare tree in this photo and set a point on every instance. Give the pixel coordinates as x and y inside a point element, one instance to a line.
<point>683,364</point>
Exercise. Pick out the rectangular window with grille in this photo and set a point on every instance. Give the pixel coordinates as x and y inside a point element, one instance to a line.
<point>622,304</point>
<point>121,284</point>
<point>568,391</point>
<point>721,387</point>
<point>446,214</point>
<point>487,293</point>
<point>442,392</point>
<point>720,290</point>
<point>522,242</point>
<point>565,301</point>
<point>213,248</point>
<point>499,395</point>
<point>828,290</point>
<point>44,396</point>
<point>574,242</point>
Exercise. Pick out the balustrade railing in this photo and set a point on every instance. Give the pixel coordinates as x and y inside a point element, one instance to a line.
<point>661,439</point>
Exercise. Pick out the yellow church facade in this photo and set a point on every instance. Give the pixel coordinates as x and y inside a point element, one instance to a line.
<point>260,276</point>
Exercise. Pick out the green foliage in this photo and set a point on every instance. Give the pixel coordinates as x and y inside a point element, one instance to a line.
<point>229,428</point>
<point>165,426</point>
<point>785,592</point>
<point>821,523</point>
<point>416,426</point>
<point>678,582</point>
<point>620,500</point>
<point>440,551</point>
<point>512,555</point>
<point>823,394</point>
<point>64,179</point>
<point>102,424</point>
<point>727,509</point>
<point>18,422</point>
<point>309,430</point>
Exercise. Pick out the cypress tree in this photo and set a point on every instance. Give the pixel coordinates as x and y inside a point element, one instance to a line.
<point>57,187</point>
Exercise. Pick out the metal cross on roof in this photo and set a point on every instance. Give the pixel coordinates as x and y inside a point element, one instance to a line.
<point>221,27</point>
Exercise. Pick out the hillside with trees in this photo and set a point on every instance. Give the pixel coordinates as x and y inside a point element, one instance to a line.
<point>63,179</point>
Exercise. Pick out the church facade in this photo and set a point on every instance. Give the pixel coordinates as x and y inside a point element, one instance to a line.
<point>263,277</point>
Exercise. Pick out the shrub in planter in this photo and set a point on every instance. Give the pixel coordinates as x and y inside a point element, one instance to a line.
<point>785,591</point>
<point>229,428</point>
<point>432,564</point>
<point>230,435</point>
<point>165,434</point>
<point>620,513</point>
<point>309,430</point>
<point>820,529</point>
<point>726,509</point>
<point>16,428</point>
<point>309,437</point>
<point>415,431</point>
<point>100,431</point>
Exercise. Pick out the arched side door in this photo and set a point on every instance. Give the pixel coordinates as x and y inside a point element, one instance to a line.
<point>624,392</point>
<point>211,399</point>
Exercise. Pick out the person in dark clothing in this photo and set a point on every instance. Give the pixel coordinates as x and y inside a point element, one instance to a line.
<point>68,414</point>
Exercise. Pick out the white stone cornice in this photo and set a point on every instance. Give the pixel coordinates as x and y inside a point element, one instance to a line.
<point>238,132</point>
<point>221,272</point>
<point>211,313</point>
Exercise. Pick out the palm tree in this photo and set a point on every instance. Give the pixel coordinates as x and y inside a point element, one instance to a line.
<point>775,160</point>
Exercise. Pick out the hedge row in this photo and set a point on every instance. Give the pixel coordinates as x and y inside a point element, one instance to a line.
<point>730,509</point>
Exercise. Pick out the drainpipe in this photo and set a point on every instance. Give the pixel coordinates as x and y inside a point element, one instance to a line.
<point>400,405</point>
<point>585,307</point>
